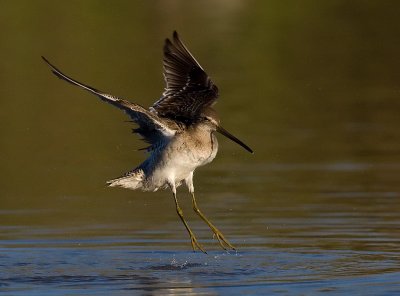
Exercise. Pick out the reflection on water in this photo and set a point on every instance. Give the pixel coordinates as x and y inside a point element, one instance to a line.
<point>312,88</point>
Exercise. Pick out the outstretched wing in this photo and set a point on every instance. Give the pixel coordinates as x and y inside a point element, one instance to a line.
<point>188,87</point>
<point>151,127</point>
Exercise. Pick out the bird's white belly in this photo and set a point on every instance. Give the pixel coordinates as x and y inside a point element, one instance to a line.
<point>177,163</point>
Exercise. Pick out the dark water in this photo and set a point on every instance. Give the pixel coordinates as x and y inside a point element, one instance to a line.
<point>311,86</point>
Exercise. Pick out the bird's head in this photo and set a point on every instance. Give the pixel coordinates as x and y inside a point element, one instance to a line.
<point>210,119</point>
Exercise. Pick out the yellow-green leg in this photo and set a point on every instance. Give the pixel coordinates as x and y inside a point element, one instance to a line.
<point>224,243</point>
<point>195,243</point>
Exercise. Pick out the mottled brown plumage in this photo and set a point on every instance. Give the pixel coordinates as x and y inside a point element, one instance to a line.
<point>180,128</point>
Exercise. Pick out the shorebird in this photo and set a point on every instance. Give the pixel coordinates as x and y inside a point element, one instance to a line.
<point>179,128</point>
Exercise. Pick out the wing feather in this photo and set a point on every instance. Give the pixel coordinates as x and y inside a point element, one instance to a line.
<point>188,90</point>
<point>151,127</point>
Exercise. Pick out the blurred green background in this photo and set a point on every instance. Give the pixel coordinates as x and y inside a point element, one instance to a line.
<point>311,86</point>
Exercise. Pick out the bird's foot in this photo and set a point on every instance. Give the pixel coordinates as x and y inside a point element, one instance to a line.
<point>195,243</point>
<point>223,242</point>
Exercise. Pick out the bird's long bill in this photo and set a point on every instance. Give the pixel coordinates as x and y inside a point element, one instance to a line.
<point>227,134</point>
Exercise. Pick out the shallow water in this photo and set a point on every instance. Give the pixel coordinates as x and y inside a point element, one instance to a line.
<point>313,89</point>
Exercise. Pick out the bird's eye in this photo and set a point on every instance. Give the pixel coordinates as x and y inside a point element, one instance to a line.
<point>210,119</point>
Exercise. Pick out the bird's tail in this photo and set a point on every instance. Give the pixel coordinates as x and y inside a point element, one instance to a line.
<point>131,180</point>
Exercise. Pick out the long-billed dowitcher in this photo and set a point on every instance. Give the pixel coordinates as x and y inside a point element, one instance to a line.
<point>180,129</point>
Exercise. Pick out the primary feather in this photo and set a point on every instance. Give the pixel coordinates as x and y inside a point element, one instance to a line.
<point>152,128</point>
<point>188,89</point>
